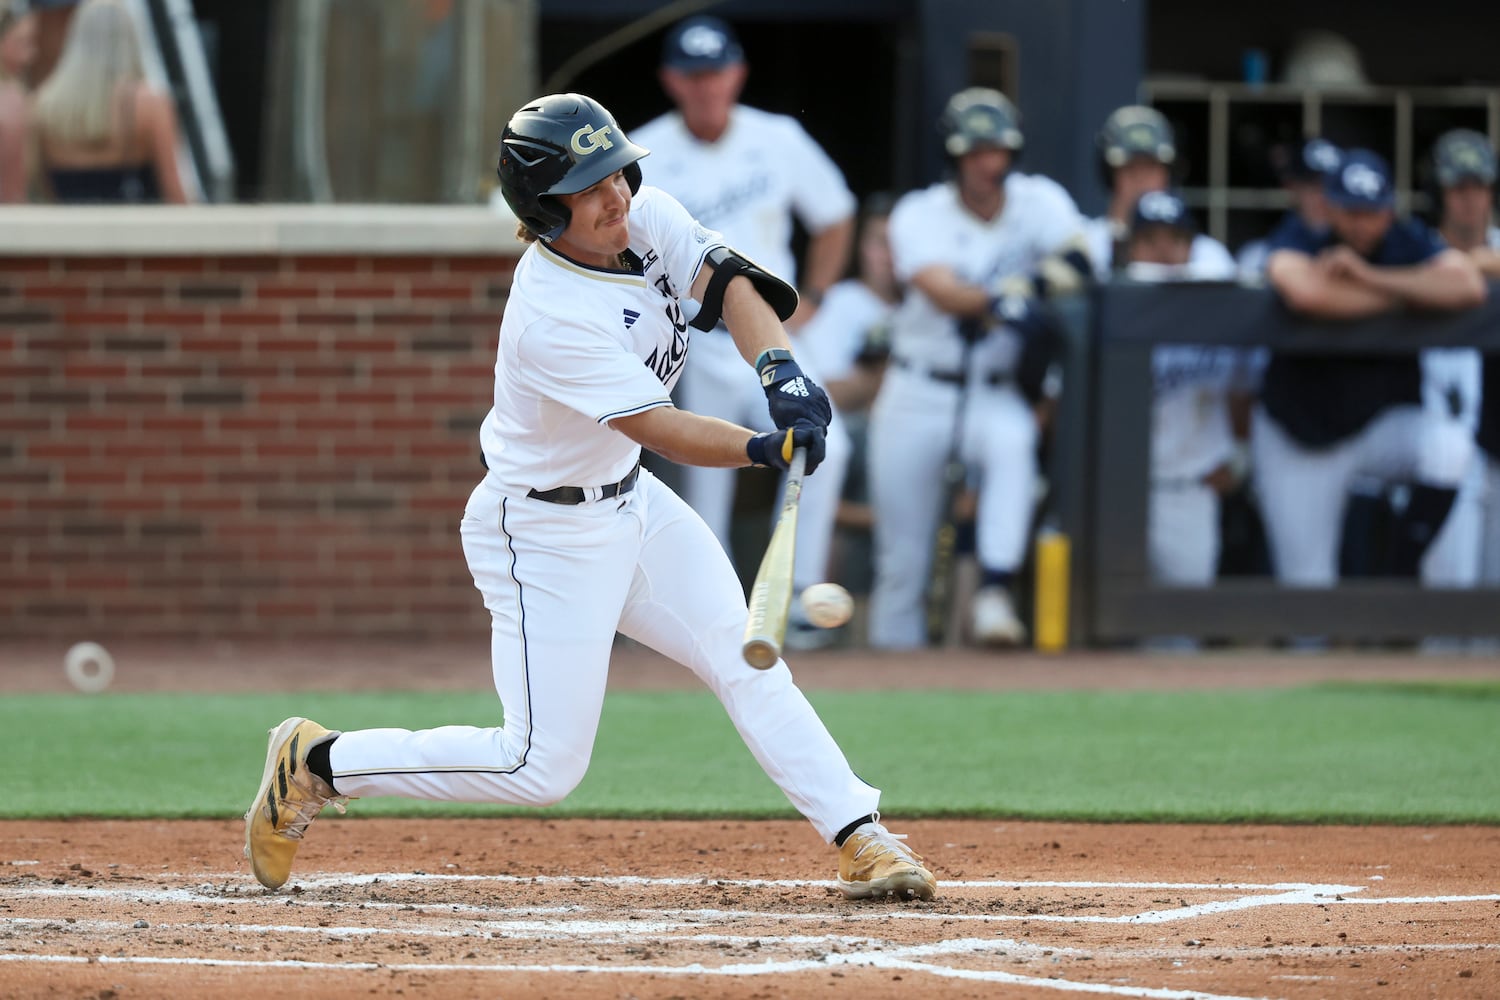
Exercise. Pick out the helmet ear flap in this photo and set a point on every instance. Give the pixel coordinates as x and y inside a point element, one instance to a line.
<point>632,173</point>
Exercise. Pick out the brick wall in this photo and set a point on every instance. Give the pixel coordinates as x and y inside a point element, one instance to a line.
<point>241,445</point>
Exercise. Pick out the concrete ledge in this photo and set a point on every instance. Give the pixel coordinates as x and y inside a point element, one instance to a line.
<point>166,231</point>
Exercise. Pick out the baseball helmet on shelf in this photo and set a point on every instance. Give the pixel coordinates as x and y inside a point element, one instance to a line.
<point>560,144</point>
<point>979,116</point>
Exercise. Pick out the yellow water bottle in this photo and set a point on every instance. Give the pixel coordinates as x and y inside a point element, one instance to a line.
<point>1053,552</point>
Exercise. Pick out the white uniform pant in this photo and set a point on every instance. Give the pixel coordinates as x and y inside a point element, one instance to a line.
<point>1303,490</point>
<point>1489,564</point>
<point>718,383</point>
<point>911,429</point>
<point>1183,534</point>
<point>558,582</point>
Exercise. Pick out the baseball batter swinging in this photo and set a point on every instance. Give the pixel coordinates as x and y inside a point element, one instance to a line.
<point>569,540</point>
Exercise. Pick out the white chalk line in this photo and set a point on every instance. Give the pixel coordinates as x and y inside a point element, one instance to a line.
<point>897,958</point>
<point>621,931</point>
<point>346,879</point>
<point>758,969</point>
<point>210,894</point>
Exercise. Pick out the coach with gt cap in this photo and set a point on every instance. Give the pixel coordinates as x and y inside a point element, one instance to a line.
<point>1327,419</point>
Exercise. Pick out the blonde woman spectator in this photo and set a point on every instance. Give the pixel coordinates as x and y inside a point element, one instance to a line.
<point>104,134</point>
<point>17,51</point>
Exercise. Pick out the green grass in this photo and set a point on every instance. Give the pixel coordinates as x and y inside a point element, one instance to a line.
<point>1403,753</point>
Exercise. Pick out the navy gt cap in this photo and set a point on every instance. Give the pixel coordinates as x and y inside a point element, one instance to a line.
<point>701,43</point>
<point>1161,208</point>
<point>1362,181</point>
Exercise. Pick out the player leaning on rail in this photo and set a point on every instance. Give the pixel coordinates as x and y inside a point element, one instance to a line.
<point>569,540</point>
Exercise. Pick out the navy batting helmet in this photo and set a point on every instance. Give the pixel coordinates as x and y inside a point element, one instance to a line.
<point>1462,154</point>
<point>980,116</point>
<point>1132,131</point>
<point>560,144</point>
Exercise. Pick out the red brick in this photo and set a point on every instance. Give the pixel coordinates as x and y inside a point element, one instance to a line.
<point>89,316</point>
<point>286,609</point>
<point>155,475</point>
<point>58,449</point>
<point>212,450</point>
<point>408,265</point>
<point>96,265</point>
<point>210,504</point>
<point>117,476</point>
<point>109,422</point>
<point>249,422</point>
<point>480,265</point>
<point>336,421</point>
<point>90,370</point>
<point>171,265</point>
<point>366,345</point>
<point>27,265</point>
<point>287,449</point>
<point>48,290</point>
<point>18,371</point>
<point>293,291</point>
<point>312,318</point>
<point>235,318</point>
<point>189,318</point>
<point>307,343</point>
<point>330,265</point>
<point>288,397</point>
<point>363,291</point>
<point>450,291</point>
<point>181,370</point>
<point>370,397</point>
<point>201,343</point>
<point>171,423</point>
<point>365,449</point>
<point>122,504</point>
<point>249,265</point>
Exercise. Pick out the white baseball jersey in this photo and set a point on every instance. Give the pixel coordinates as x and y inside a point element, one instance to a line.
<point>932,226</point>
<point>832,340</point>
<point>558,377</point>
<point>761,171</point>
<point>1208,257</point>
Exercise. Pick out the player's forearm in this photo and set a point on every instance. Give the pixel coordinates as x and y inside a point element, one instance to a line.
<point>827,257</point>
<point>1451,281</point>
<point>687,438</point>
<point>1487,260</point>
<point>949,293</point>
<point>1306,288</point>
<point>751,321</point>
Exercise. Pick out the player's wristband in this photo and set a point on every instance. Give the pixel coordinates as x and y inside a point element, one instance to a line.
<point>775,364</point>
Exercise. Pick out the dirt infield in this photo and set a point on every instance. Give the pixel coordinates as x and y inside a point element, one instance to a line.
<point>539,907</point>
<point>543,908</point>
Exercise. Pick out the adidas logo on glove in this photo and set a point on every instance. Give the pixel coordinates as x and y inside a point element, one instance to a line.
<point>795,387</point>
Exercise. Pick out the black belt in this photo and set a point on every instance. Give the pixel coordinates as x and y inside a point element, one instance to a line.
<point>571,495</point>
<point>952,378</point>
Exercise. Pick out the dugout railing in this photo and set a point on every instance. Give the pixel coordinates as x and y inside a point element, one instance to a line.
<point>1099,469</point>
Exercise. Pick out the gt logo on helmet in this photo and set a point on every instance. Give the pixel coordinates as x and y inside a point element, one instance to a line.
<point>588,139</point>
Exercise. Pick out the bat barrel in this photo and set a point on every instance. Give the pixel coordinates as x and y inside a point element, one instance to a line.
<point>771,595</point>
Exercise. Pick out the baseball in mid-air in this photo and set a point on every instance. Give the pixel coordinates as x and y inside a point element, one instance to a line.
<point>827,605</point>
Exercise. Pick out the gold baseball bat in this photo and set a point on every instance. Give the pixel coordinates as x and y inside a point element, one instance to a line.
<point>771,595</point>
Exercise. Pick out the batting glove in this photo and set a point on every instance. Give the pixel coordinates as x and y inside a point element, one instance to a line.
<point>773,449</point>
<point>790,395</point>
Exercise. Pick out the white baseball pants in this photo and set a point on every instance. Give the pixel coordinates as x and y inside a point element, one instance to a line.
<point>558,582</point>
<point>1303,490</point>
<point>911,427</point>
